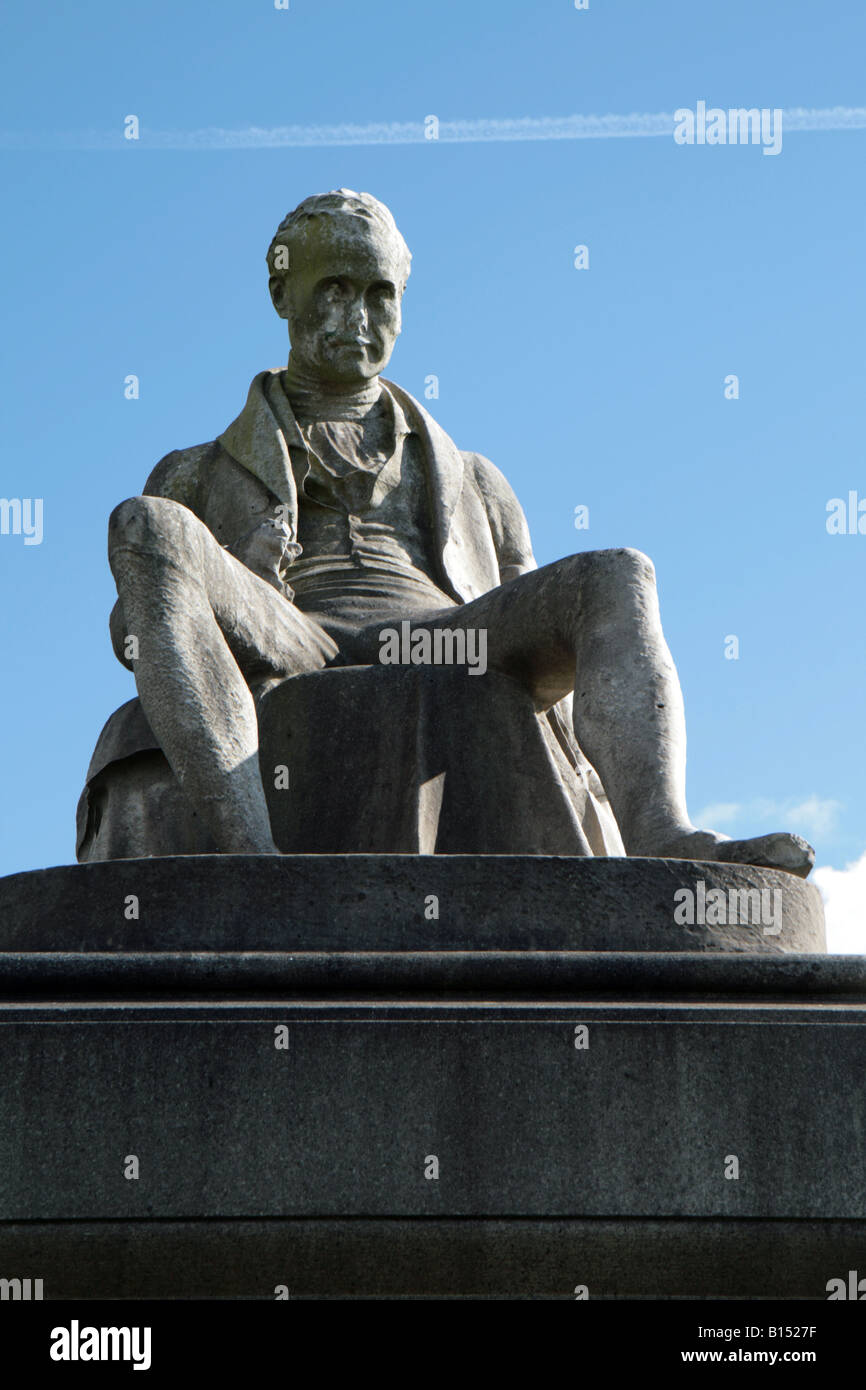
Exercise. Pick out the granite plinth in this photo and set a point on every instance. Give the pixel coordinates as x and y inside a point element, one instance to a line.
<point>285,1106</point>
<point>387,902</point>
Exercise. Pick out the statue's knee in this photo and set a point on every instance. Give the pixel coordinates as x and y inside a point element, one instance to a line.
<point>612,571</point>
<point>635,566</point>
<point>615,585</point>
<point>150,526</point>
<point>617,571</point>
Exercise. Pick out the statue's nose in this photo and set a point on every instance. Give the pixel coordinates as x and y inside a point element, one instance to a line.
<point>356,315</point>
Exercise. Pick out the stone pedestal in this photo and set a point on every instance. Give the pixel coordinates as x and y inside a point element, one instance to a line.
<point>549,1085</point>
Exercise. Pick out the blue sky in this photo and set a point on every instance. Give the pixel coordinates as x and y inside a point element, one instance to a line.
<point>602,387</point>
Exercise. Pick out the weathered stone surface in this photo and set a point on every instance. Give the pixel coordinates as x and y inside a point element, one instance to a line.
<point>519,1258</point>
<point>447,764</point>
<point>343,1121</point>
<point>601,1164</point>
<point>509,974</point>
<point>381,903</point>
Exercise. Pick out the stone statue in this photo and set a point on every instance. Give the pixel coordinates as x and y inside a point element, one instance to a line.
<point>333,522</point>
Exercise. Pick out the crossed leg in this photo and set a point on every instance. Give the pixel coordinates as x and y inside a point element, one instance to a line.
<point>206,629</point>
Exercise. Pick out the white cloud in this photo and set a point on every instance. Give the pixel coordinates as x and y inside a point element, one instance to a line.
<point>844,894</point>
<point>718,814</point>
<point>816,815</point>
<point>811,815</point>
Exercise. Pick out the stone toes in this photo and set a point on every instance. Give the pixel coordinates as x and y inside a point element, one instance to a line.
<point>780,850</point>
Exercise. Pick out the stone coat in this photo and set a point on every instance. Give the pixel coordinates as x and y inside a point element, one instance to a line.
<point>479,539</point>
<point>480,535</point>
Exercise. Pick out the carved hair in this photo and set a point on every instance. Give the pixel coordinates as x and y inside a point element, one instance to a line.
<point>342,202</point>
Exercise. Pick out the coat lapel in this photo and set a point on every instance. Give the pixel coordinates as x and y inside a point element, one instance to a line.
<point>261,436</point>
<point>444,462</point>
<point>257,439</point>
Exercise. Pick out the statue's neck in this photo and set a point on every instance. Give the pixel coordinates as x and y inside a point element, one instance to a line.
<point>313,399</point>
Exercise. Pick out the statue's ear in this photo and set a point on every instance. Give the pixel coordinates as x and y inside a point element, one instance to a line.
<point>279,294</point>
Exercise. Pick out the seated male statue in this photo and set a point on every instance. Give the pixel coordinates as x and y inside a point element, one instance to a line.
<point>333,508</point>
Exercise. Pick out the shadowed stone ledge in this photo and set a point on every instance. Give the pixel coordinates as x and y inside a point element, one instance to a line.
<point>526,975</point>
<point>351,903</point>
<point>436,1258</point>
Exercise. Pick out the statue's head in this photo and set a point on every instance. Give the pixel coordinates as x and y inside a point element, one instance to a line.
<point>338,267</point>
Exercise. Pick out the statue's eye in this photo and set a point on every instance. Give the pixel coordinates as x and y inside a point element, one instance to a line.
<point>382,291</point>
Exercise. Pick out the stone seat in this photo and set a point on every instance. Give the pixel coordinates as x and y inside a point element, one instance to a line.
<point>394,759</point>
<point>371,759</point>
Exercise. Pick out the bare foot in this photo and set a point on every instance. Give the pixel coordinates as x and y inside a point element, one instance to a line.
<point>780,850</point>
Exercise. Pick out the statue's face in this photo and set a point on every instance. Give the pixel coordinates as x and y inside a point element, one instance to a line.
<point>341,299</point>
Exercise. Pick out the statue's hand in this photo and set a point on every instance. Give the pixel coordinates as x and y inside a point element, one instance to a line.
<point>117,628</point>
<point>267,550</point>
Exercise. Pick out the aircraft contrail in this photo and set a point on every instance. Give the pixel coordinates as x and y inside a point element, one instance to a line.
<point>479,131</point>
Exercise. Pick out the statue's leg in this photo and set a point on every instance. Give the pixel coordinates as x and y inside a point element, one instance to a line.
<point>205,627</point>
<point>590,623</point>
<point>629,717</point>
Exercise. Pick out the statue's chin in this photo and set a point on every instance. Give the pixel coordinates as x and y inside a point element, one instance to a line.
<point>344,367</point>
<point>349,381</point>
